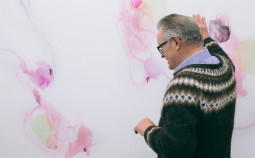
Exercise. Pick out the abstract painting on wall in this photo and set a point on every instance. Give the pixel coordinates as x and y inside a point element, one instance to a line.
<point>43,125</point>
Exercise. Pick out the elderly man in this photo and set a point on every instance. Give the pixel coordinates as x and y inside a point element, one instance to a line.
<point>197,116</point>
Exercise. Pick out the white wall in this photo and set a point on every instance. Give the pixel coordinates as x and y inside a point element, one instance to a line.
<point>92,81</point>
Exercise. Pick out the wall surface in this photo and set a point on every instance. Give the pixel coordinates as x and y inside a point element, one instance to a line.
<point>78,75</point>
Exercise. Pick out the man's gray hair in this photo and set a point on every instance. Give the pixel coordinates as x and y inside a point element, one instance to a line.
<point>184,27</point>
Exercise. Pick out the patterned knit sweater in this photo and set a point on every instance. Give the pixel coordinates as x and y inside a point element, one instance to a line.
<point>197,117</point>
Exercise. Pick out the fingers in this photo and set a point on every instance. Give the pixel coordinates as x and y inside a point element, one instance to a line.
<point>135,130</point>
<point>195,18</point>
<point>203,21</point>
<point>143,125</point>
<point>198,19</point>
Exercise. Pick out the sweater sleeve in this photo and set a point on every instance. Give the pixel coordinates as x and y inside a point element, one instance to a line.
<point>177,135</point>
<point>215,49</point>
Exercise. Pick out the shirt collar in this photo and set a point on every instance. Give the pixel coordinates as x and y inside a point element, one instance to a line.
<point>194,59</point>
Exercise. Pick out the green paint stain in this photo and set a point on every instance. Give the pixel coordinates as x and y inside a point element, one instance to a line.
<point>41,128</point>
<point>158,8</point>
<point>249,48</point>
<point>244,55</point>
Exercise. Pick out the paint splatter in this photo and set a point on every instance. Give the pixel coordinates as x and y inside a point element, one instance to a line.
<point>138,35</point>
<point>245,127</point>
<point>43,131</point>
<point>158,9</point>
<point>221,31</point>
<point>136,3</point>
<point>218,30</point>
<point>50,131</point>
<point>153,68</point>
<point>246,60</point>
<point>240,75</point>
<point>42,77</point>
<point>82,143</point>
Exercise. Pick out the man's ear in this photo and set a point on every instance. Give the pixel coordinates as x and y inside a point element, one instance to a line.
<point>178,42</point>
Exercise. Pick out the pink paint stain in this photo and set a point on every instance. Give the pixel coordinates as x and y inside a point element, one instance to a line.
<point>221,31</point>
<point>153,67</point>
<point>136,3</point>
<point>245,127</point>
<point>240,75</point>
<point>59,138</point>
<point>82,143</point>
<point>41,77</point>
<point>218,30</point>
<point>138,35</point>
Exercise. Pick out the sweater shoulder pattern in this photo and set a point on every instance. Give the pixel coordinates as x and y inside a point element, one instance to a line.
<point>203,85</point>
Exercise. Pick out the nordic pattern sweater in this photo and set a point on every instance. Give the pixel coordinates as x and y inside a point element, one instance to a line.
<point>198,110</point>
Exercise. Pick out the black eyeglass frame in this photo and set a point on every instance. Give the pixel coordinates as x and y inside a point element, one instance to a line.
<point>159,47</point>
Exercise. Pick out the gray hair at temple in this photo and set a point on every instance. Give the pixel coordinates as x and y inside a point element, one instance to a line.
<point>184,27</point>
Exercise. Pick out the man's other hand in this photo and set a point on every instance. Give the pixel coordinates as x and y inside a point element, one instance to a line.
<point>143,125</point>
<point>201,22</point>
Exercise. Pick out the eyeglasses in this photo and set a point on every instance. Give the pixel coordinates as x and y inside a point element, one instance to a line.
<point>160,46</point>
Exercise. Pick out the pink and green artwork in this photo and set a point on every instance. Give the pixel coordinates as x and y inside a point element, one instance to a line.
<point>43,125</point>
<point>138,36</point>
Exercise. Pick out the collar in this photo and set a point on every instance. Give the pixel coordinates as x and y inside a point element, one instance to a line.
<point>194,59</point>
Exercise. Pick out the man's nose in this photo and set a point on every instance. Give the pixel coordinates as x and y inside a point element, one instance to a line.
<point>162,56</point>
